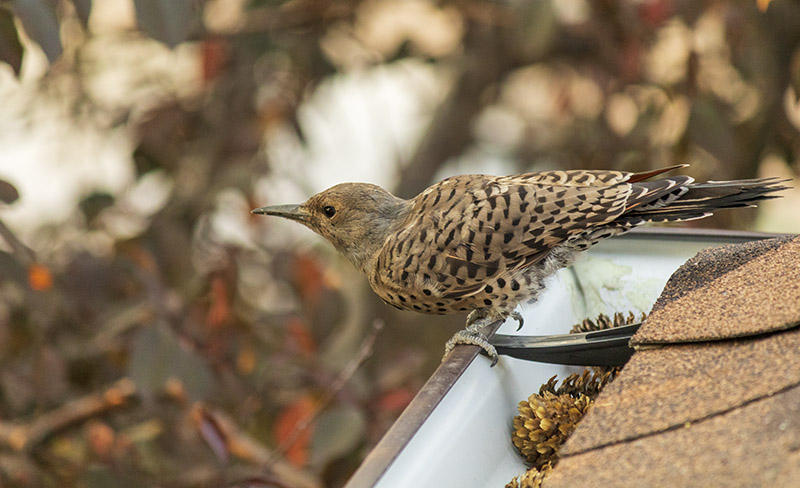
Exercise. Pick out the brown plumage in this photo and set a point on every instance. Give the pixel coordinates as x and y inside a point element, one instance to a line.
<point>482,244</point>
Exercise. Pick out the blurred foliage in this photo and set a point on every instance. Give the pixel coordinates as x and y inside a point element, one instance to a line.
<point>153,347</point>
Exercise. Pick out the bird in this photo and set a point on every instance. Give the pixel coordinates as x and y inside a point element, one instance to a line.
<point>481,244</point>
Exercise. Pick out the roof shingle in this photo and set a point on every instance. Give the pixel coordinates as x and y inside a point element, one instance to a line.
<point>712,395</point>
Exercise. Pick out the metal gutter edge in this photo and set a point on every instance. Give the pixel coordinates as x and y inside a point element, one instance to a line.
<point>403,429</point>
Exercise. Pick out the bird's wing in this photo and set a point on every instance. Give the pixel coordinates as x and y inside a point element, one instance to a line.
<point>522,220</point>
<point>548,209</point>
<point>465,230</point>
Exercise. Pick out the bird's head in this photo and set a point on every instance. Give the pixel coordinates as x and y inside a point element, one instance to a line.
<point>355,217</point>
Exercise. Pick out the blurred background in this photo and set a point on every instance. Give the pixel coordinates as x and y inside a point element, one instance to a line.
<point>154,333</point>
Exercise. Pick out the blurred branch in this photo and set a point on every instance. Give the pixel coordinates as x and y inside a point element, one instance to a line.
<point>27,436</point>
<point>243,446</point>
<point>364,352</point>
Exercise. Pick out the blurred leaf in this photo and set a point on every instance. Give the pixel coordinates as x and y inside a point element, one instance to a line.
<point>97,476</point>
<point>40,21</point>
<point>10,51</point>
<point>96,202</point>
<point>710,128</point>
<point>8,192</point>
<point>40,278</point>
<point>655,12</point>
<point>159,358</point>
<point>309,277</point>
<point>396,400</point>
<point>794,74</point>
<point>337,432</point>
<point>69,450</point>
<point>300,337</point>
<point>144,432</point>
<point>255,4</point>
<point>286,429</point>
<point>18,391</point>
<point>100,438</point>
<point>50,374</point>
<point>11,269</point>
<point>22,333</point>
<point>168,21</point>
<point>246,359</point>
<point>261,481</point>
<point>84,9</point>
<point>537,27</point>
<point>219,313</point>
<point>215,55</point>
<point>163,133</point>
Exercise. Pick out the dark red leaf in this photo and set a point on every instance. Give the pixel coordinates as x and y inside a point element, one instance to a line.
<point>292,418</point>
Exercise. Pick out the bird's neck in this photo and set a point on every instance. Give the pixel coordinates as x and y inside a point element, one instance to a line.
<point>362,250</point>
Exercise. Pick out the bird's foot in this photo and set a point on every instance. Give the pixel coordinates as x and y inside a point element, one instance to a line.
<point>491,316</point>
<point>478,314</point>
<point>471,338</point>
<point>471,334</point>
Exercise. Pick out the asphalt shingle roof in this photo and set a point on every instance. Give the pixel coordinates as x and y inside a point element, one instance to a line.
<point>712,395</point>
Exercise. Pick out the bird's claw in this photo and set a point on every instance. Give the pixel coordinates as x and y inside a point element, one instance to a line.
<point>518,317</point>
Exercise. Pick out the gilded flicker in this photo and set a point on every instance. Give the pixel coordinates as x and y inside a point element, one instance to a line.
<point>482,244</point>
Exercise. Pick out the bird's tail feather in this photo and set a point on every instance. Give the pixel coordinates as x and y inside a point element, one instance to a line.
<point>698,200</point>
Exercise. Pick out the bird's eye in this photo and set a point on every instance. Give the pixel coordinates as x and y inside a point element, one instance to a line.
<point>329,211</point>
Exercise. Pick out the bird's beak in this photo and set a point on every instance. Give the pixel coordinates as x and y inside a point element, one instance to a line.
<point>291,212</point>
